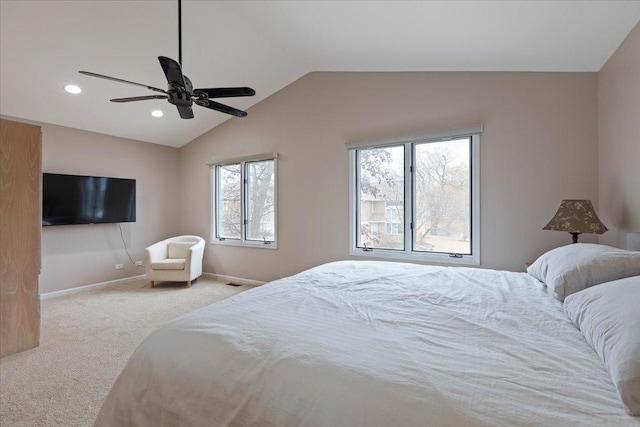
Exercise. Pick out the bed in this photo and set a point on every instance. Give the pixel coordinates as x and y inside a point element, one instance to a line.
<point>363,343</point>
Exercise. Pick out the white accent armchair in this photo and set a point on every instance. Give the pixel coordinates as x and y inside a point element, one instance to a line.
<point>177,259</point>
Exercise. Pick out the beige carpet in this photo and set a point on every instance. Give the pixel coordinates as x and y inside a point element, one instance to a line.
<point>85,341</point>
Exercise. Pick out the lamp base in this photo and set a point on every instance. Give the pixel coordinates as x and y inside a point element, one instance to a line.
<point>574,236</point>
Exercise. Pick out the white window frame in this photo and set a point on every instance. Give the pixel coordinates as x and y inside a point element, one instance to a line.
<point>408,254</point>
<point>243,241</point>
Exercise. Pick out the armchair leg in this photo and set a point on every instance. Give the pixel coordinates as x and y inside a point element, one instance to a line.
<point>188,283</point>
<point>153,283</point>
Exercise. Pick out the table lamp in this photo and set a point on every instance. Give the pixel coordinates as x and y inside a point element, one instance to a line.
<point>576,217</point>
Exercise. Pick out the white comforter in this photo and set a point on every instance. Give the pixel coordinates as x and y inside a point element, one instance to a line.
<point>370,344</point>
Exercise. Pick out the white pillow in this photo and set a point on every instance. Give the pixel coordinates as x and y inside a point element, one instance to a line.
<point>609,318</point>
<point>179,249</point>
<point>577,266</point>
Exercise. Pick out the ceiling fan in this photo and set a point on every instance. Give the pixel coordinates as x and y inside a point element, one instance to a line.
<point>180,91</point>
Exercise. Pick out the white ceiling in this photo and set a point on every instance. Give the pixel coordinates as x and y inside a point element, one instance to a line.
<point>268,44</point>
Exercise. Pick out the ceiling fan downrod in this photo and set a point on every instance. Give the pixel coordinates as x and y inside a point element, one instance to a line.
<point>180,32</point>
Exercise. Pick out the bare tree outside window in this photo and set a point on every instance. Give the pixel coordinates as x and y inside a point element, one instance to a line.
<point>246,201</point>
<point>381,198</point>
<point>229,201</point>
<point>442,196</point>
<point>260,196</point>
<point>416,197</point>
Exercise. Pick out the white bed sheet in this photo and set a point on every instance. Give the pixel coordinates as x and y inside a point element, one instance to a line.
<point>360,343</point>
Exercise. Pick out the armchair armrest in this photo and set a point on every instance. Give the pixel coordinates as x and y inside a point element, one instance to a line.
<point>156,252</point>
<point>194,259</point>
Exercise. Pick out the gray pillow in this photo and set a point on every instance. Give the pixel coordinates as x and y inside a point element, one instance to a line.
<point>577,266</point>
<point>608,316</point>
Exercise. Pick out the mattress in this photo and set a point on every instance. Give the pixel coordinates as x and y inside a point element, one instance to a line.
<point>363,343</point>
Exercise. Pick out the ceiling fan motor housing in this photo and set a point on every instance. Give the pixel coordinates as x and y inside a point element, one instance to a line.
<point>180,95</point>
<point>181,99</point>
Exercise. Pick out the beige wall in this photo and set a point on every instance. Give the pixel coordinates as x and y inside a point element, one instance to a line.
<point>619,141</point>
<point>77,255</point>
<point>539,146</point>
<point>548,136</point>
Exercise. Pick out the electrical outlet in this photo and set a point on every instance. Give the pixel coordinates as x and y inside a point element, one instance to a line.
<point>139,263</point>
<point>119,266</point>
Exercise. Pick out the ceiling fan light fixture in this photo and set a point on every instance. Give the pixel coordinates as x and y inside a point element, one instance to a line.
<point>157,113</point>
<point>73,89</point>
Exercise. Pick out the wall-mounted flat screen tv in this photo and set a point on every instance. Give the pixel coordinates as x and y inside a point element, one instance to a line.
<point>76,199</point>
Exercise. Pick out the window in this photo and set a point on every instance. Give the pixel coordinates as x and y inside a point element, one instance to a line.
<point>425,189</point>
<point>244,201</point>
<point>229,197</point>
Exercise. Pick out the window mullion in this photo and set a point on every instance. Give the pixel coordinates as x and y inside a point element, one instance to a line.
<point>218,202</point>
<point>356,197</point>
<point>243,202</point>
<point>408,197</point>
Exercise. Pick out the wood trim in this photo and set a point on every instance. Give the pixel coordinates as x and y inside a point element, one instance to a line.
<point>20,229</point>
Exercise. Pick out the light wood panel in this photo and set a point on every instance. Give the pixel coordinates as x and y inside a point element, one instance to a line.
<point>20,229</point>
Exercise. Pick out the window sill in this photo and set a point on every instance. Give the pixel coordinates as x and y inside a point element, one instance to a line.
<point>258,245</point>
<point>382,254</point>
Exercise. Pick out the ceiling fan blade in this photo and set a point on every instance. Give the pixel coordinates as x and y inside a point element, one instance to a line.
<point>226,92</point>
<point>88,73</point>
<point>220,107</point>
<point>172,71</point>
<point>138,98</point>
<point>185,112</point>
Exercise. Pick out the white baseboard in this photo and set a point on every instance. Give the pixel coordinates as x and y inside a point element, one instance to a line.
<point>87,287</point>
<point>238,280</point>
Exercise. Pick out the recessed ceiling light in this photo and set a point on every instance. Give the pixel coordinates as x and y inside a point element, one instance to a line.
<point>157,113</point>
<point>72,89</point>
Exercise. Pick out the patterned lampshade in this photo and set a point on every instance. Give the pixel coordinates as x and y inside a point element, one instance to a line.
<point>575,217</point>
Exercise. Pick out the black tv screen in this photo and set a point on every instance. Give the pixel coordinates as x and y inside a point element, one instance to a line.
<point>76,199</point>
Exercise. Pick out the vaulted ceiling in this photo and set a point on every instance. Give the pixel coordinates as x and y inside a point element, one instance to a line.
<point>269,44</point>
